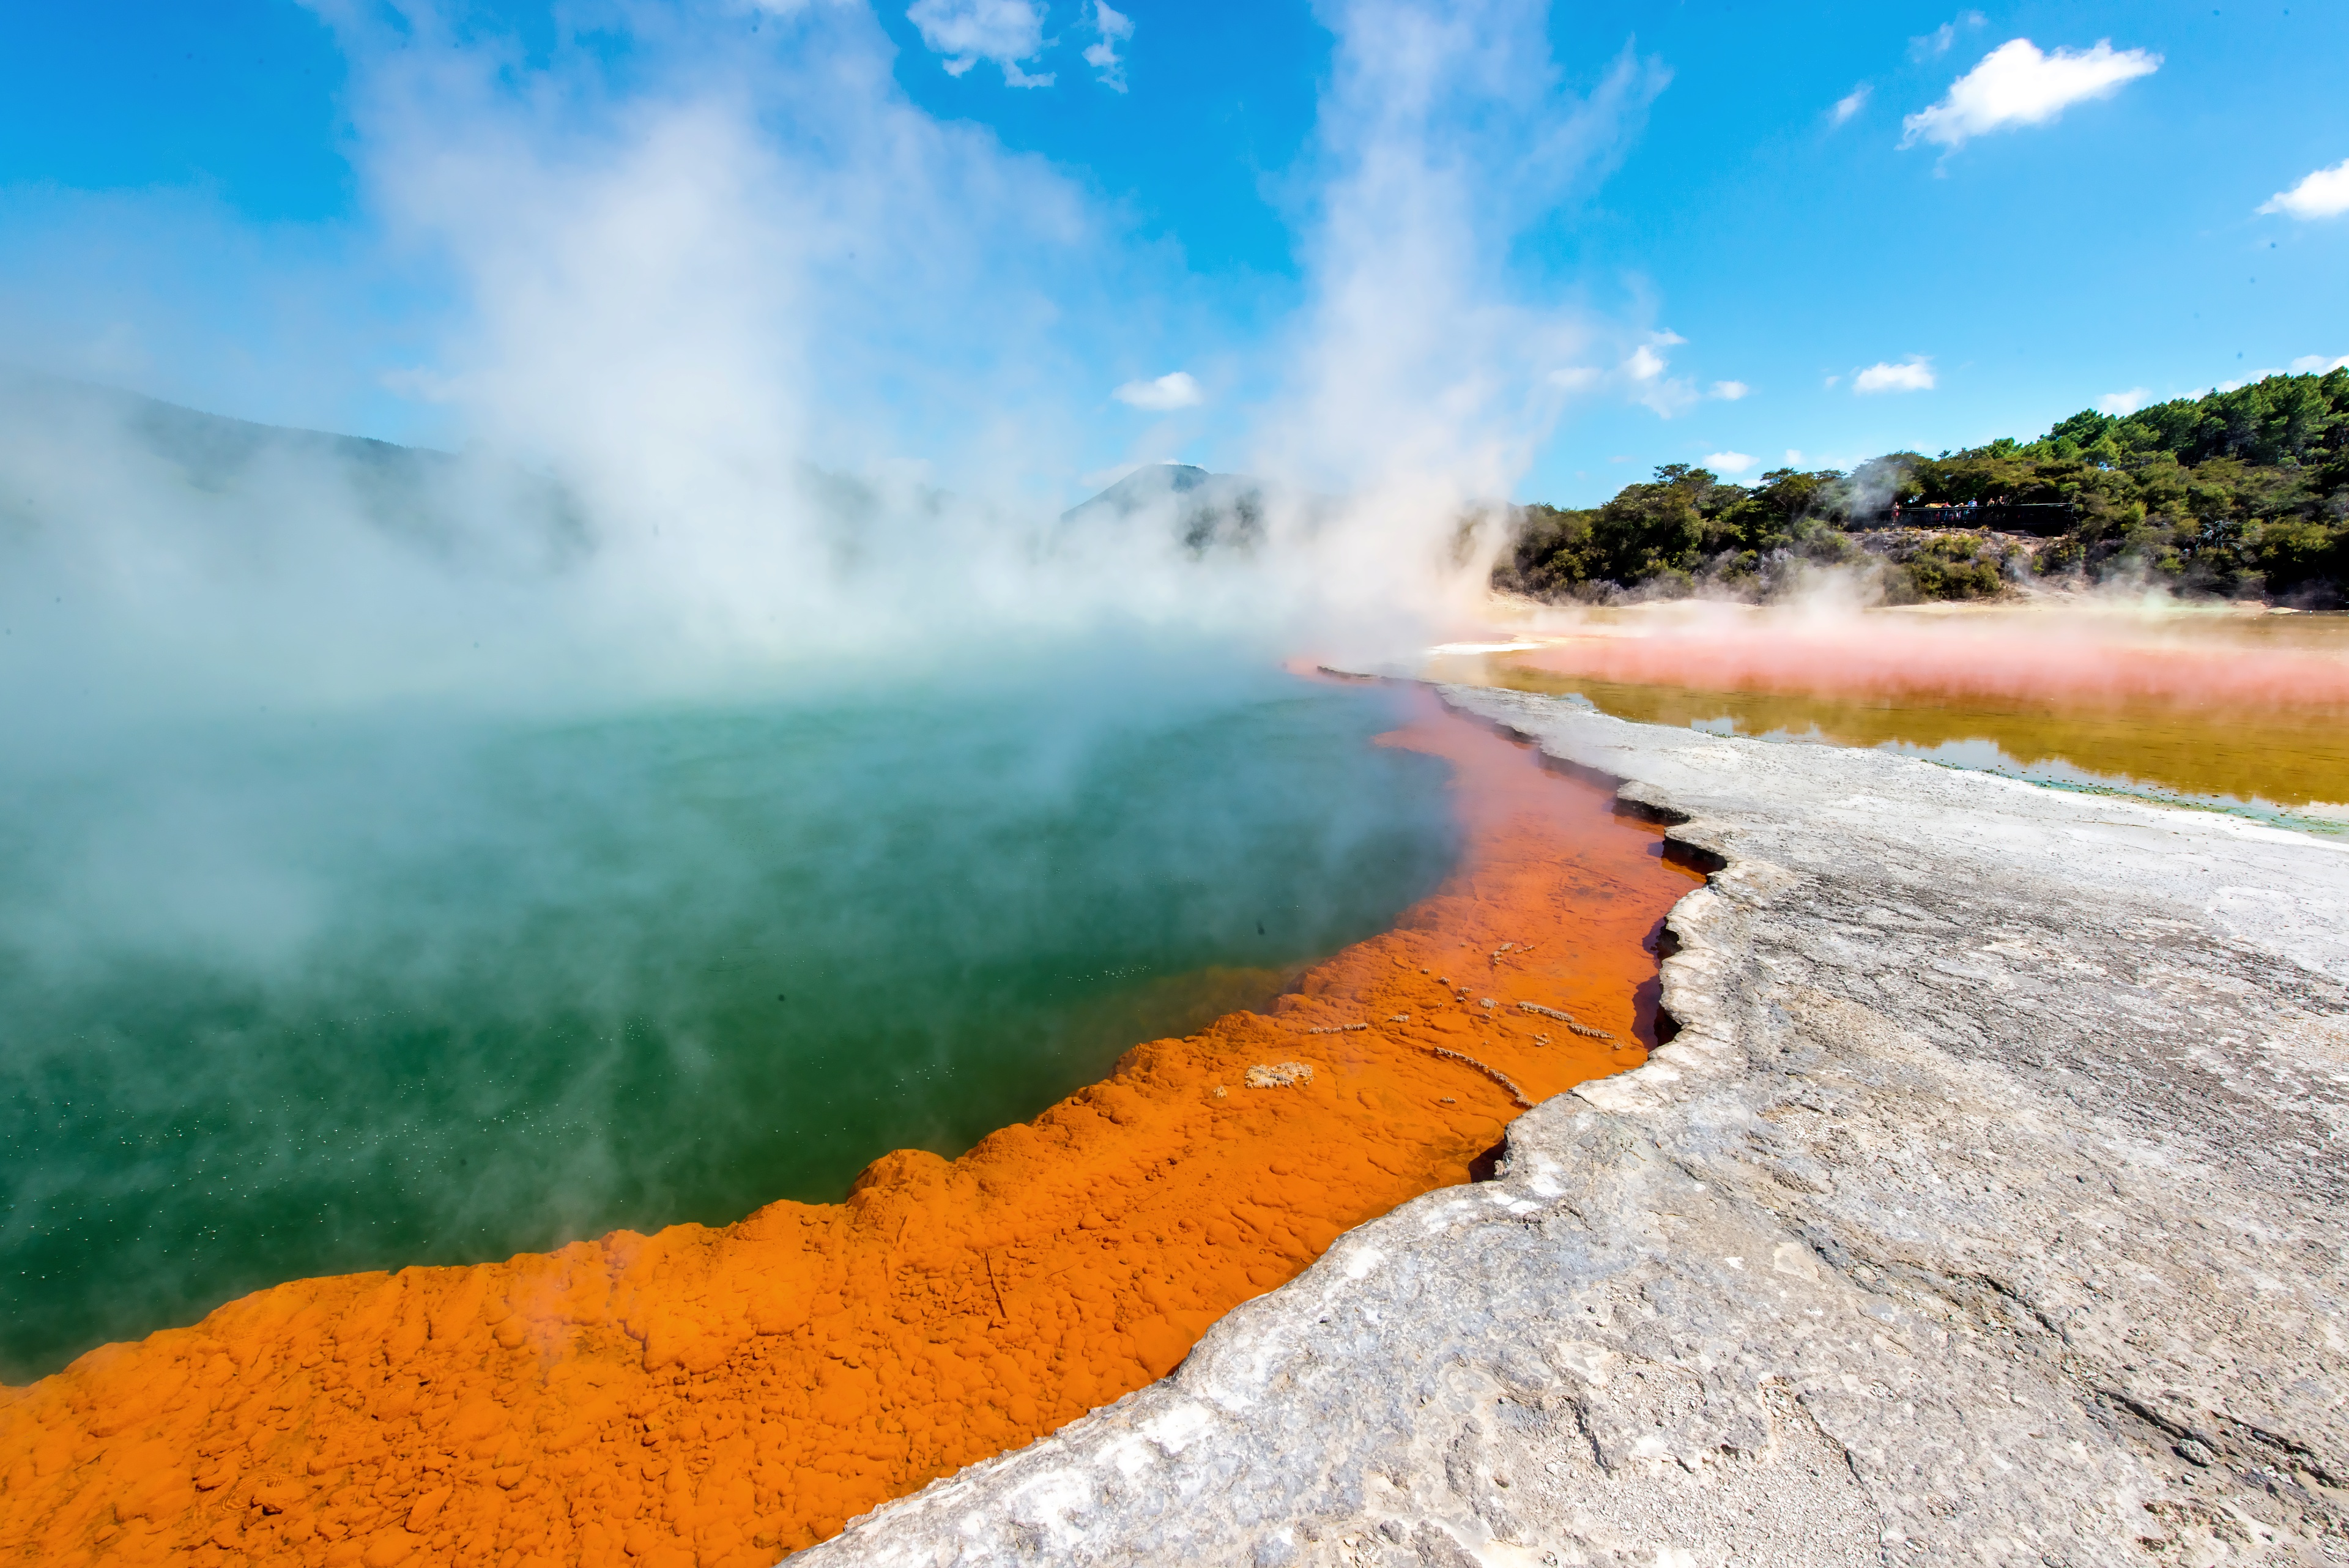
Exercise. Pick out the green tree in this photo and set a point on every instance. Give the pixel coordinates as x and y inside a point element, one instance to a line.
<point>2244,491</point>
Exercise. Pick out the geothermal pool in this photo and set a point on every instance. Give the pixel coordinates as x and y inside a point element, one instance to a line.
<point>723,1394</point>
<point>1189,981</point>
<point>313,997</point>
<point>2247,713</point>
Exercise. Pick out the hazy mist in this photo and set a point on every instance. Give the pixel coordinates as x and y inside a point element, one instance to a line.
<point>379,820</point>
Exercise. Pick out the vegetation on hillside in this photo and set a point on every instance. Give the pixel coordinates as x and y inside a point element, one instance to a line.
<point>2243,494</point>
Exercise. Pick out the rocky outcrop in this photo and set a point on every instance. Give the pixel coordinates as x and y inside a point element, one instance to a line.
<point>1987,1207</point>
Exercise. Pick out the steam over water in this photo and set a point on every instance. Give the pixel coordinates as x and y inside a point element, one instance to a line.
<point>2241,712</point>
<point>346,995</point>
<point>413,855</point>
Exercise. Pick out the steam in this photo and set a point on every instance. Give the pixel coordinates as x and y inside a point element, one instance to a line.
<point>753,388</point>
<point>763,374</point>
<point>2091,652</point>
<point>1421,382</point>
<point>283,999</point>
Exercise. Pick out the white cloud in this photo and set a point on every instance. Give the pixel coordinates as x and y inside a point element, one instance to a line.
<point>2324,195</point>
<point>1666,395</point>
<point>1728,461</point>
<point>1114,27</point>
<point>2126,402</point>
<point>2017,84</point>
<point>2319,364</point>
<point>1574,378</point>
<point>1850,103</point>
<point>1175,390</point>
<point>1728,392</point>
<point>1794,456</point>
<point>1914,374</point>
<point>969,31</point>
<point>1830,382</point>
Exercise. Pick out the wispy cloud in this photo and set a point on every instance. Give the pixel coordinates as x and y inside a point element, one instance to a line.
<point>2319,364</point>
<point>2016,85</point>
<point>2126,402</point>
<point>1728,392</point>
<point>1914,374</point>
<point>1113,28</point>
<point>968,31</point>
<point>1176,390</point>
<point>421,383</point>
<point>1943,38</point>
<point>2324,195</point>
<point>1850,103</point>
<point>1728,461</point>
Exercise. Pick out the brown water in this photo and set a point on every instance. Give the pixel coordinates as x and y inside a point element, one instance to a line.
<point>2242,713</point>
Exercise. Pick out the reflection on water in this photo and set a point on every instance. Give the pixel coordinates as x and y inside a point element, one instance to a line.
<point>310,1000</point>
<point>2248,714</point>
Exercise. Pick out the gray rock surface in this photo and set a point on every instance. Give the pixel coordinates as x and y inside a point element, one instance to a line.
<point>1988,1208</point>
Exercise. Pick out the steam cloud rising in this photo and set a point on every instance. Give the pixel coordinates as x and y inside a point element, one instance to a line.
<point>734,375</point>
<point>761,369</point>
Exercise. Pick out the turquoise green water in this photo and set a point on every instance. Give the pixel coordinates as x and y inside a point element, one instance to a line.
<point>319,998</point>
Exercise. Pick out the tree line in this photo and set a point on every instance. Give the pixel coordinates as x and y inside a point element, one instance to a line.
<point>2240,493</point>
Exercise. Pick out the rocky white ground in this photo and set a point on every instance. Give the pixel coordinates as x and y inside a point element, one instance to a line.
<point>1989,1206</point>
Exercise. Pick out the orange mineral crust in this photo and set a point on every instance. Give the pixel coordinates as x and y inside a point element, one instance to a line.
<point>721,1397</point>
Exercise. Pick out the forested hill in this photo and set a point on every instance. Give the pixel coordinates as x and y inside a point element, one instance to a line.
<point>2238,493</point>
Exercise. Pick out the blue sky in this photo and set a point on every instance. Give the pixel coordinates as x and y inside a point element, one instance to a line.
<point>1760,206</point>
